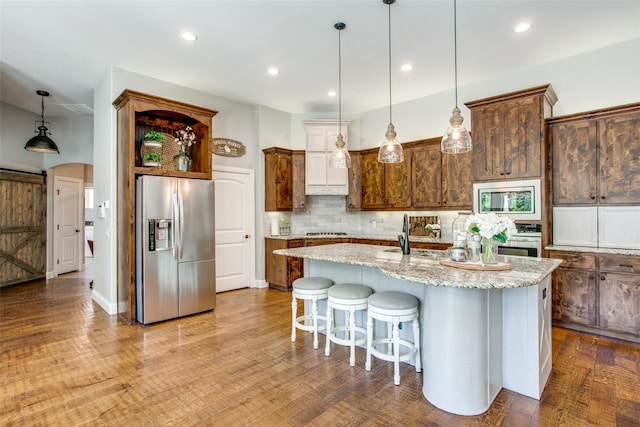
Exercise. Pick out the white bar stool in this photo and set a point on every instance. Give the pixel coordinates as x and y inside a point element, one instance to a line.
<point>312,289</point>
<point>348,297</point>
<point>393,307</point>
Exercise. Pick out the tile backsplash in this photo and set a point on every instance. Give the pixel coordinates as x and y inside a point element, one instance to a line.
<point>328,214</point>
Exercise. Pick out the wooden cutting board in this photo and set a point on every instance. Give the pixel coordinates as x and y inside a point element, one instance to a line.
<point>468,265</point>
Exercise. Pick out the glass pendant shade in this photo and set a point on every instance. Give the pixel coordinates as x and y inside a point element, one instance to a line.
<point>340,157</point>
<point>41,143</point>
<point>390,151</point>
<point>456,139</point>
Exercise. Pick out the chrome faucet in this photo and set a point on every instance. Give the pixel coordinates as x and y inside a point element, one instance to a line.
<point>404,239</point>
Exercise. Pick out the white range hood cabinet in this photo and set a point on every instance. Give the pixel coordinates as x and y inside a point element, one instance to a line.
<point>320,179</point>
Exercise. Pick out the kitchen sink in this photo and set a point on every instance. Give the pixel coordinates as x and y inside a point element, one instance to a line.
<point>427,253</point>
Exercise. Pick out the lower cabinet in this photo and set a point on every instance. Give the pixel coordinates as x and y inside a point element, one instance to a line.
<point>281,271</point>
<point>597,293</point>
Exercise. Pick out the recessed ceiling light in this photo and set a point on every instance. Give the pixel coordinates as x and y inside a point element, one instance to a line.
<point>407,67</point>
<point>332,93</point>
<point>521,27</point>
<point>273,71</point>
<point>188,36</point>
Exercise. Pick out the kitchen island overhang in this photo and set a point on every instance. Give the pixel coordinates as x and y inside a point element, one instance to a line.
<point>481,331</point>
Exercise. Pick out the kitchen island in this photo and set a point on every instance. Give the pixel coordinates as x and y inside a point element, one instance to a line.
<point>481,330</point>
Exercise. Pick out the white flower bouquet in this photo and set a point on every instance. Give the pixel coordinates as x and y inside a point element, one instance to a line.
<point>491,226</point>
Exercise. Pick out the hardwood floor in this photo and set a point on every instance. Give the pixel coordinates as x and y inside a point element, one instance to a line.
<point>64,361</point>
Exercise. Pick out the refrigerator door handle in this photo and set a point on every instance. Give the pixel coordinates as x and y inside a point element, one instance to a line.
<point>181,210</point>
<point>176,219</point>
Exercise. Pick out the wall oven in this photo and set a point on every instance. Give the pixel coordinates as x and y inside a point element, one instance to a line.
<point>526,242</point>
<point>519,200</point>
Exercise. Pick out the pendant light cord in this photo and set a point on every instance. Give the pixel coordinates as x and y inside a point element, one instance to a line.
<point>42,110</point>
<point>340,81</point>
<point>455,47</point>
<point>390,120</point>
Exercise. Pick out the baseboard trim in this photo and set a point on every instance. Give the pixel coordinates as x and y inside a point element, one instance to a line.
<point>260,283</point>
<point>103,302</point>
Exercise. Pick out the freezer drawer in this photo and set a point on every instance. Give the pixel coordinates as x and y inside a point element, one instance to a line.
<point>197,286</point>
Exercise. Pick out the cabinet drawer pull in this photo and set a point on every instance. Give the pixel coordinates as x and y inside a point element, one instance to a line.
<point>593,197</point>
<point>601,277</point>
<point>603,197</point>
<point>626,265</point>
<point>591,277</point>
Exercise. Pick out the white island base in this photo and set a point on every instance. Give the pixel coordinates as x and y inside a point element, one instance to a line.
<point>474,341</point>
<point>477,341</point>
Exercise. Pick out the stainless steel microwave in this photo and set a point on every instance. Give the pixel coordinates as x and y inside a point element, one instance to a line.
<point>515,199</point>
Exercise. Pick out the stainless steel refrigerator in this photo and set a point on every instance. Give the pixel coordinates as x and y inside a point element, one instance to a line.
<point>175,248</point>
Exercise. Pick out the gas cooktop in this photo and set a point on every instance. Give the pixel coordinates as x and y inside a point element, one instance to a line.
<point>326,233</point>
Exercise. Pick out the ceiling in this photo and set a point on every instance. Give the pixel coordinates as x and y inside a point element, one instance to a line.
<point>67,47</point>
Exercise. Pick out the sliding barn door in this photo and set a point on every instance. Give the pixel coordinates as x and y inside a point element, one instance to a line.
<point>22,228</point>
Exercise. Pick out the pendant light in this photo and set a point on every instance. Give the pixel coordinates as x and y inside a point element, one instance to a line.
<point>340,157</point>
<point>456,139</point>
<point>41,143</point>
<point>390,151</point>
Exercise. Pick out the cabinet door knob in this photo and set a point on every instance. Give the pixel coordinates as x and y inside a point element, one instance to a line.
<point>501,173</point>
<point>603,197</point>
<point>508,173</point>
<point>601,277</point>
<point>246,236</point>
<point>591,277</point>
<point>593,197</point>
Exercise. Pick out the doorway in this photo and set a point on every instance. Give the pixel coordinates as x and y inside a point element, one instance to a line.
<point>67,224</point>
<point>234,220</point>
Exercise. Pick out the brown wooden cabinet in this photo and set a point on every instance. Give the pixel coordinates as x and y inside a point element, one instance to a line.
<point>597,293</point>
<point>385,186</point>
<point>440,180</point>
<point>354,198</point>
<point>426,175</point>
<point>596,156</point>
<point>137,114</point>
<point>280,270</point>
<point>299,199</point>
<point>457,181</point>
<point>619,293</point>
<point>284,180</point>
<point>278,179</point>
<point>508,134</point>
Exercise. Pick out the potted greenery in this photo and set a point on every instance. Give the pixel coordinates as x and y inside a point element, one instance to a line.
<point>153,139</point>
<point>152,159</point>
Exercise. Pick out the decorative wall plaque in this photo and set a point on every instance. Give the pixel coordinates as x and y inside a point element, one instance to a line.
<point>228,147</point>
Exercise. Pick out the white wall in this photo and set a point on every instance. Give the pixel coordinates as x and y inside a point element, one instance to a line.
<point>598,79</point>
<point>16,128</point>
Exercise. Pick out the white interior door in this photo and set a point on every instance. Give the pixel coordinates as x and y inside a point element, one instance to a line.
<point>68,228</point>
<point>235,244</point>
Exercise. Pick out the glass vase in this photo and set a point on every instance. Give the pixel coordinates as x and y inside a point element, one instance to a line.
<point>489,251</point>
<point>182,161</point>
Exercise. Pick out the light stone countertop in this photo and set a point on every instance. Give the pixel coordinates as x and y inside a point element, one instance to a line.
<point>394,238</point>
<point>604,251</point>
<point>422,266</point>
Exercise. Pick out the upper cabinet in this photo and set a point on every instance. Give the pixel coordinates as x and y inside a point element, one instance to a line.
<point>319,177</point>
<point>440,180</point>
<point>508,134</point>
<point>137,115</point>
<point>278,179</point>
<point>385,186</point>
<point>596,156</point>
